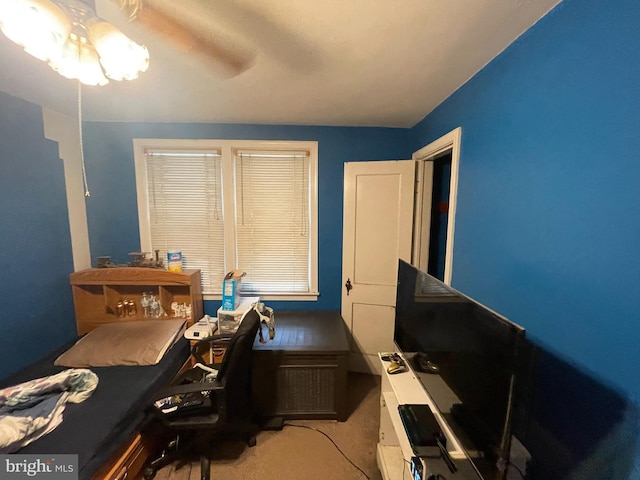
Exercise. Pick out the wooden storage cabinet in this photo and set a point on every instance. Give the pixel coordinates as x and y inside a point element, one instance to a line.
<point>302,372</point>
<point>97,292</point>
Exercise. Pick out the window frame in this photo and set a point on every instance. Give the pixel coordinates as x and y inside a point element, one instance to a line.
<point>226,149</point>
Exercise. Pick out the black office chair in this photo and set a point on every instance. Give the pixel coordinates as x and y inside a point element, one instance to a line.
<point>197,407</point>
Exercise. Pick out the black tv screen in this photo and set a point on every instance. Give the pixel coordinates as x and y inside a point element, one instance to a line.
<point>570,425</point>
<point>474,350</point>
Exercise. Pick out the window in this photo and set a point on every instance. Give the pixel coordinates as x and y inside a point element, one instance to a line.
<point>247,205</point>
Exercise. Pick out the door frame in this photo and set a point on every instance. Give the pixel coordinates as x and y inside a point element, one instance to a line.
<point>448,142</point>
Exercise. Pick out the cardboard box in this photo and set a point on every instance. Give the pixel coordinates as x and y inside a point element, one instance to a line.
<point>231,290</point>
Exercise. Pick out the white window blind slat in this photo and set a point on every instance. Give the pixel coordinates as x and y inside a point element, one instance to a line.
<point>272,221</point>
<point>185,209</point>
<point>266,213</point>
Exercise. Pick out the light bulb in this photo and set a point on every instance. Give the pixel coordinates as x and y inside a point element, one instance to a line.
<point>121,57</point>
<point>75,42</point>
<point>40,26</point>
<point>79,60</point>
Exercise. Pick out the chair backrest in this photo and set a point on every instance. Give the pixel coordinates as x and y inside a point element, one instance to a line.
<point>240,345</point>
<point>236,369</point>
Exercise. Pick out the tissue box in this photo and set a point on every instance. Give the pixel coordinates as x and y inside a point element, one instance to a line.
<point>229,320</point>
<point>230,290</point>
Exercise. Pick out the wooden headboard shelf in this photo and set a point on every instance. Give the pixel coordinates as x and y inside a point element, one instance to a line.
<point>97,292</point>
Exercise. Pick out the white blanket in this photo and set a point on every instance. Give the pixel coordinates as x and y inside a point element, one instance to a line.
<point>34,408</point>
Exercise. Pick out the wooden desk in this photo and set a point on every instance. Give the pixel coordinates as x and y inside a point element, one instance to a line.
<point>302,373</point>
<point>218,352</point>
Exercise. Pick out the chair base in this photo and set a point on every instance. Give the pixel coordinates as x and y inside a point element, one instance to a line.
<point>200,445</point>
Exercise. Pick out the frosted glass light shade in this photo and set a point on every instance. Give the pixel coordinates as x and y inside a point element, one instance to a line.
<point>40,26</point>
<point>76,43</point>
<point>79,60</point>
<point>121,57</point>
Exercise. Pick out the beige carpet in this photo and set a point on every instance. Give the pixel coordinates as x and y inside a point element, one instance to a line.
<point>302,453</point>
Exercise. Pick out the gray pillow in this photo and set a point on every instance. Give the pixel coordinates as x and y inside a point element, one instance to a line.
<point>124,343</point>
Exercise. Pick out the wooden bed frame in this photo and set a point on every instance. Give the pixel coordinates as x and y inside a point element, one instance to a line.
<point>96,293</point>
<point>129,460</point>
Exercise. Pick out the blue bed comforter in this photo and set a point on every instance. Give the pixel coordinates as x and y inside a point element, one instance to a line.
<point>34,408</point>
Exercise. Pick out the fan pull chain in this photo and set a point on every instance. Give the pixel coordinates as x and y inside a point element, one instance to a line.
<point>84,172</point>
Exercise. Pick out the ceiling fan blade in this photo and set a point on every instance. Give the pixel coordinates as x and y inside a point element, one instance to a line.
<point>191,41</point>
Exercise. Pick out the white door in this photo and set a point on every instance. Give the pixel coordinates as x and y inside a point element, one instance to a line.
<point>377,231</point>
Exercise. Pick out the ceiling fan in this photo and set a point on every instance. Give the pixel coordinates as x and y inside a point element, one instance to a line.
<point>184,36</point>
<point>78,44</point>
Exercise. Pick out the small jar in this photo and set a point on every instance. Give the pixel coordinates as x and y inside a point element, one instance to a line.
<point>131,308</point>
<point>144,304</point>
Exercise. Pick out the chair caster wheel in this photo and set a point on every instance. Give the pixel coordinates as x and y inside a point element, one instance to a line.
<point>149,473</point>
<point>205,468</point>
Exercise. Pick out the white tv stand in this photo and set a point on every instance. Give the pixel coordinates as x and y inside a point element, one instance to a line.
<point>394,451</point>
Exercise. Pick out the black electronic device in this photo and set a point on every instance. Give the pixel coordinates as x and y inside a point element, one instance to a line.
<point>424,433</point>
<point>392,357</point>
<point>422,363</point>
<point>417,469</point>
<point>475,352</point>
<point>422,429</point>
<point>568,423</point>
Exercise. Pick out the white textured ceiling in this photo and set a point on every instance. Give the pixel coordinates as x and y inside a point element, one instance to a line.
<point>330,62</point>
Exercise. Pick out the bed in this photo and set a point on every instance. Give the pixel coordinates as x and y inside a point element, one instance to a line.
<point>104,430</point>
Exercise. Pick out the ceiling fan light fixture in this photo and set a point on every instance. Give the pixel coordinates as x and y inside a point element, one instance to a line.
<point>39,26</point>
<point>121,57</point>
<point>76,43</point>
<point>79,60</point>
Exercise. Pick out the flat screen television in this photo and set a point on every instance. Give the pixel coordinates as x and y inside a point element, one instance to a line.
<point>475,352</point>
<point>569,424</point>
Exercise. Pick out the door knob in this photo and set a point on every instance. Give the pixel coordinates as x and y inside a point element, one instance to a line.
<point>348,286</point>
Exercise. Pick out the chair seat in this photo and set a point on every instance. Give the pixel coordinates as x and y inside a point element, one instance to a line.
<point>199,422</point>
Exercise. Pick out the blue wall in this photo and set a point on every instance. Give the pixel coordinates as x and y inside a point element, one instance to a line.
<point>112,209</point>
<point>36,259</point>
<point>548,214</point>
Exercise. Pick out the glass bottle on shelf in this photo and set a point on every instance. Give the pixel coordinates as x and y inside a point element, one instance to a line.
<point>144,304</point>
<point>155,307</point>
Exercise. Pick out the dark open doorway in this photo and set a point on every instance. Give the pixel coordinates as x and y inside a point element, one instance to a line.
<point>439,214</point>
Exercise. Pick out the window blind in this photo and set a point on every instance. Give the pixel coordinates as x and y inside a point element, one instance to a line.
<point>272,221</point>
<point>185,209</point>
